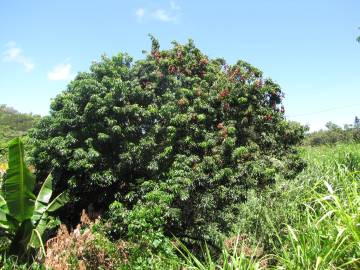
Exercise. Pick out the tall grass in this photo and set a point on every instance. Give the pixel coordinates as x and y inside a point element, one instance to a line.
<point>313,224</point>
<point>328,235</point>
<point>228,260</point>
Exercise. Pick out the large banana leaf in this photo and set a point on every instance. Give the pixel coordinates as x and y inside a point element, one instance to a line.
<point>36,241</point>
<point>41,219</point>
<point>42,224</point>
<point>42,199</point>
<point>57,202</point>
<point>23,216</point>
<point>19,184</point>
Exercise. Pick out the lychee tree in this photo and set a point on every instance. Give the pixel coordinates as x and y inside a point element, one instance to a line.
<point>177,139</point>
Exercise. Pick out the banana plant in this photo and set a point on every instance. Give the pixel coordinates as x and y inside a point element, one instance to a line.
<point>24,216</point>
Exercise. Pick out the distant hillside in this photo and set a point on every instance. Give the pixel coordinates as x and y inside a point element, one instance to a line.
<point>14,123</point>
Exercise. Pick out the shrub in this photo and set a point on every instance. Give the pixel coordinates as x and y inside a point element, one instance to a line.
<point>143,226</point>
<point>84,248</point>
<point>195,131</point>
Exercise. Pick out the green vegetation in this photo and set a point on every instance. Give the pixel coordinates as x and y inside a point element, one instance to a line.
<point>318,228</point>
<point>13,124</point>
<point>24,217</point>
<point>335,134</point>
<point>171,143</point>
<point>326,234</point>
<point>178,161</point>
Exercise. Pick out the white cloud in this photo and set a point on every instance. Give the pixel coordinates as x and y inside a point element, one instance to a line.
<point>171,14</point>
<point>13,54</point>
<point>140,13</point>
<point>61,72</point>
<point>164,15</point>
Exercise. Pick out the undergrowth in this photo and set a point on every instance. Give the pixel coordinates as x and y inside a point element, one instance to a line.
<point>311,222</point>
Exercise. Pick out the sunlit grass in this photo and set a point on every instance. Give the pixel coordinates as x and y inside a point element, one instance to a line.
<point>234,259</point>
<point>328,235</point>
<point>323,231</point>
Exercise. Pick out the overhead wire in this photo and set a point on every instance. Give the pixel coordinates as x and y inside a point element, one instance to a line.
<point>324,110</point>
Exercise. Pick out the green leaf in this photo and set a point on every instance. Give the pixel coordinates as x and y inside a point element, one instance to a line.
<point>3,211</point>
<point>43,199</point>
<point>4,224</point>
<point>3,205</point>
<point>19,184</point>
<point>22,238</point>
<point>42,224</point>
<point>58,202</point>
<point>11,223</point>
<point>36,241</point>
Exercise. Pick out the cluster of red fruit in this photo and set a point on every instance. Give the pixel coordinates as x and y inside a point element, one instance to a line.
<point>202,74</point>
<point>224,93</point>
<point>224,133</point>
<point>172,69</point>
<point>223,130</point>
<point>156,55</point>
<point>220,126</point>
<point>236,75</point>
<point>268,117</point>
<point>204,61</point>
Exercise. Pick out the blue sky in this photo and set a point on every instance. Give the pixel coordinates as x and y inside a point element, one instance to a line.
<point>307,46</point>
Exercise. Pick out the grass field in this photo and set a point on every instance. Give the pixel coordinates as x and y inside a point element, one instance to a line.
<point>327,236</point>
<point>313,224</point>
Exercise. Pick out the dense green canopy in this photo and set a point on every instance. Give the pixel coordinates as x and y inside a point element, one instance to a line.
<point>177,135</point>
